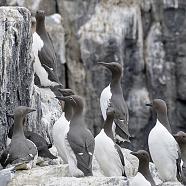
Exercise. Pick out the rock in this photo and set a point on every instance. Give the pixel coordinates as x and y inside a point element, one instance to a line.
<point>6,176</point>
<point>171,184</point>
<point>114,33</point>
<point>48,111</point>
<point>16,72</point>
<point>147,37</point>
<point>78,11</point>
<point>58,174</point>
<point>49,6</point>
<point>131,163</point>
<point>154,173</point>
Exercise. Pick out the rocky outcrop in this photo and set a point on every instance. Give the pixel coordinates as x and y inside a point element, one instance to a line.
<point>16,75</point>
<point>145,36</point>
<point>16,69</point>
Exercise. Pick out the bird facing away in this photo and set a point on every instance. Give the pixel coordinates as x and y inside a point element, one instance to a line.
<point>61,126</point>
<point>112,96</point>
<point>163,147</point>
<point>20,148</point>
<point>143,168</point>
<point>45,57</point>
<point>79,140</point>
<point>181,139</point>
<point>107,152</point>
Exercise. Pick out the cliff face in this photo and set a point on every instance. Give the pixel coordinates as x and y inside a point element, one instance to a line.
<point>146,37</point>
<point>16,69</point>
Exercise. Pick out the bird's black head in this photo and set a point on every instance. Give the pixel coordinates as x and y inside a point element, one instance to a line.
<point>158,105</point>
<point>66,92</point>
<point>40,15</point>
<point>180,137</point>
<point>22,111</point>
<point>114,67</point>
<point>142,155</point>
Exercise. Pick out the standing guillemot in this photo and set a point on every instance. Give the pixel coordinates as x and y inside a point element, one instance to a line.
<point>20,148</point>
<point>107,152</point>
<point>143,168</point>
<point>38,140</point>
<point>79,140</point>
<point>45,57</point>
<point>61,126</point>
<point>163,147</point>
<point>112,96</point>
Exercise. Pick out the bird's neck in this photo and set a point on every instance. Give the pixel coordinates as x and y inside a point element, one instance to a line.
<point>68,111</point>
<point>116,81</point>
<point>183,152</point>
<point>163,119</point>
<point>40,26</point>
<point>77,111</point>
<point>18,127</point>
<point>108,127</point>
<point>77,118</point>
<point>144,170</point>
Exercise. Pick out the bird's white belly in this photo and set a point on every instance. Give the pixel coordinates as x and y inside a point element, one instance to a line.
<point>163,154</point>
<point>8,141</point>
<point>60,129</point>
<point>38,68</point>
<point>105,100</point>
<point>107,156</point>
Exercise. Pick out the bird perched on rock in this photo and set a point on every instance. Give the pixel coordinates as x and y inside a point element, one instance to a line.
<point>112,96</point>
<point>79,140</point>
<point>107,152</point>
<point>163,147</point>
<point>20,148</point>
<point>181,139</point>
<point>45,57</point>
<point>61,126</point>
<point>143,168</point>
<point>38,140</point>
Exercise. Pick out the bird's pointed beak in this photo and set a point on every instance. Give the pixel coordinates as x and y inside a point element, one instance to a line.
<point>62,91</point>
<point>134,153</point>
<point>104,64</point>
<point>10,115</point>
<point>149,104</point>
<point>175,135</point>
<point>61,98</point>
<point>31,110</point>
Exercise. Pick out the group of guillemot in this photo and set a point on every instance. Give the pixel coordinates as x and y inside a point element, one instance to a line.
<point>74,141</point>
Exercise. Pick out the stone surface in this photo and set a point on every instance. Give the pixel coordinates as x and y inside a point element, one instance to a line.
<point>146,36</point>
<point>16,69</point>
<point>48,111</point>
<point>17,75</point>
<point>49,6</point>
<point>58,175</point>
